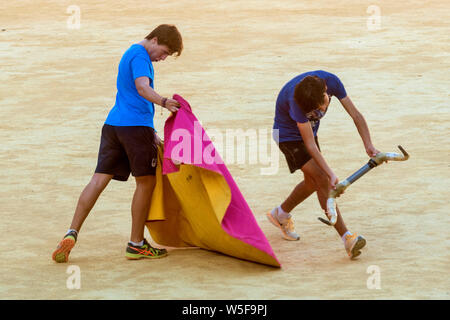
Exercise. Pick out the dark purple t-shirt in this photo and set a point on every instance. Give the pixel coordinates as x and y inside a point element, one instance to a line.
<point>288,113</point>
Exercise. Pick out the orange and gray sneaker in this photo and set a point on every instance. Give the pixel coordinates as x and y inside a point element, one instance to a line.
<point>61,254</point>
<point>353,244</point>
<point>145,251</point>
<point>286,226</point>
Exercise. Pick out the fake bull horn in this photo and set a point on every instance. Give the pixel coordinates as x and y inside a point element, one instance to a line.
<point>340,187</point>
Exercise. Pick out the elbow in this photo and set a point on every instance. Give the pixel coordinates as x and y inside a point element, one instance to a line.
<point>140,90</point>
<point>358,118</point>
<point>312,148</point>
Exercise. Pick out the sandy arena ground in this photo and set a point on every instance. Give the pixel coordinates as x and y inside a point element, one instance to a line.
<point>58,84</point>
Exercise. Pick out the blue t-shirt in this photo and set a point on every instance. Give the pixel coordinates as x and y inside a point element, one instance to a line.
<point>288,113</point>
<point>130,108</point>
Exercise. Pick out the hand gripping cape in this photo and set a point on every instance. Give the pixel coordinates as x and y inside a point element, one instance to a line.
<point>196,202</point>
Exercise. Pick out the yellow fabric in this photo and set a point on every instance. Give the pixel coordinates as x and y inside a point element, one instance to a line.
<point>187,210</point>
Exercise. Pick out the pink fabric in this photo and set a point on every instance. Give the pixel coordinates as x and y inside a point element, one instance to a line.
<point>238,221</point>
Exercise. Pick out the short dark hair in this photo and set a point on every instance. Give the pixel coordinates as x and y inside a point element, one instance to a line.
<point>309,93</point>
<point>169,36</point>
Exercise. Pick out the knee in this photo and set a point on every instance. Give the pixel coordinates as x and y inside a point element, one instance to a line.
<point>314,175</point>
<point>310,183</point>
<point>99,182</point>
<point>321,181</point>
<point>147,182</point>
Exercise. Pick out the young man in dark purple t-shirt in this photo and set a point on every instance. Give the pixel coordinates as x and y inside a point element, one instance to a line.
<point>301,103</point>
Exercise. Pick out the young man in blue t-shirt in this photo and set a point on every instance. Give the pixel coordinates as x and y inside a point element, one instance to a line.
<point>301,103</point>
<point>129,142</point>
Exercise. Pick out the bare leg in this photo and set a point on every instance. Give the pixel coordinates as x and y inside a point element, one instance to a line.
<point>301,192</point>
<point>141,206</point>
<point>312,169</point>
<point>88,198</point>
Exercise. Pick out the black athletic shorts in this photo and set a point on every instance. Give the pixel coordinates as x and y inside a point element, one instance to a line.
<point>296,153</point>
<point>127,149</point>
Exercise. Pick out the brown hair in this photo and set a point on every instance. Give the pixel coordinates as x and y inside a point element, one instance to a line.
<point>169,36</point>
<point>309,93</point>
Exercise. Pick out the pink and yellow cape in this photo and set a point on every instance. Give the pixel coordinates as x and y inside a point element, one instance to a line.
<point>196,202</point>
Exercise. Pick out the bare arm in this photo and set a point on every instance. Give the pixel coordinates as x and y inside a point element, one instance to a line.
<point>145,91</point>
<point>360,124</point>
<point>310,144</point>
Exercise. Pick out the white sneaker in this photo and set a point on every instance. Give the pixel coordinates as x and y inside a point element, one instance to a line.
<point>287,227</point>
<point>353,244</point>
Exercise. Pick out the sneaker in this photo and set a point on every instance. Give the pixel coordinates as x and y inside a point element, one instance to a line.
<point>61,254</point>
<point>353,245</point>
<point>287,227</point>
<point>144,251</point>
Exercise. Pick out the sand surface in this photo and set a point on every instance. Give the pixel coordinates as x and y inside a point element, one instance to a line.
<point>57,85</point>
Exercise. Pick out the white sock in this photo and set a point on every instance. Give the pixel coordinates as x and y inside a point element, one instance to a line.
<point>70,230</point>
<point>345,234</point>
<point>282,216</point>
<point>137,244</point>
